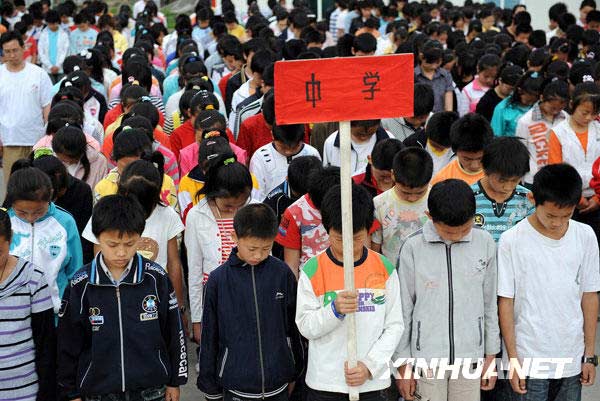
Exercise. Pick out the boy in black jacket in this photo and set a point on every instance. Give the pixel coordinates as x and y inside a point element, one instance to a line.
<point>250,347</point>
<point>120,332</point>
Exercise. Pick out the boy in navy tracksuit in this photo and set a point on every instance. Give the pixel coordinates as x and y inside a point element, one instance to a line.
<point>121,336</point>
<point>250,347</point>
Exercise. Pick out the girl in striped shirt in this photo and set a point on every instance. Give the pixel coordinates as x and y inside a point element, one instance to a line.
<point>27,337</point>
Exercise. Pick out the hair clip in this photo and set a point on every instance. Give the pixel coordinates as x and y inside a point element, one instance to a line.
<point>67,84</point>
<point>587,78</point>
<point>196,87</point>
<point>155,165</point>
<point>209,107</point>
<point>3,209</point>
<point>204,78</point>
<point>534,74</point>
<point>126,128</point>
<point>212,134</point>
<point>554,79</point>
<point>42,152</point>
<point>591,55</point>
<point>226,162</point>
<point>210,157</point>
<point>145,99</point>
<point>64,97</point>
<point>76,68</point>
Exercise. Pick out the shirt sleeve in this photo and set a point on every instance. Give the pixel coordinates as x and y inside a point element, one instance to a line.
<point>590,271</point>
<point>506,269</point>
<point>40,293</point>
<point>45,89</point>
<point>88,234</point>
<point>288,234</point>
<point>175,225</point>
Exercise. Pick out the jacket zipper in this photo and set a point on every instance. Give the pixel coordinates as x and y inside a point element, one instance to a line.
<point>450,302</point>
<point>223,362</point>
<point>32,241</point>
<point>85,374</point>
<point>479,321</point>
<point>162,363</point>
<point>419,335</point>
<point>121,342</point>
<point>262,365</point>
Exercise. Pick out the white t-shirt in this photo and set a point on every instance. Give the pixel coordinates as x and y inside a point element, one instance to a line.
<point>270,167</point>
<point>360,152</point>
<point>23,95</point>
<point>398,219</point>
<point>547,278</point>
<point>440,160</point>
<point>163,225</point>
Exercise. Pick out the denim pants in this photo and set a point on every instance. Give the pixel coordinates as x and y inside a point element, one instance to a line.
<point>565,389</point>
<point>151,394</point>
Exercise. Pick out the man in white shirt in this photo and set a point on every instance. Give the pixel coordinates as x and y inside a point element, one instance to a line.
<point>548,280</point>
<point>25,96</point>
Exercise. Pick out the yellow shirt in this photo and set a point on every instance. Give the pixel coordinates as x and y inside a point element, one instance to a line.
<point>109,186</point>
<point>120,42</point>
<point>239,32</point>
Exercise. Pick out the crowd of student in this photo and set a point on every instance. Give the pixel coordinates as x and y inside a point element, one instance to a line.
<point>145,171</point>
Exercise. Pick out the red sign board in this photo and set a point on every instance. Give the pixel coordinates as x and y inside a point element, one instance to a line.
<point>345,88</point>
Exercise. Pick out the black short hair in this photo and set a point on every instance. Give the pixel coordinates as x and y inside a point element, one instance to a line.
<point>299,171</point>
<point>424,99</point>
<point>365,42</point>
<point>593,16</point>
<point>52,17</point>
<point>537,39</point>
<point>290,135</point>
<point>120,213</point>
<point>506,156</point>
<point>29,184</point>
<point>470,133</point>
<point>523,28</point>
<point>362,209</point>
<point>320,181</point>
<point>556,10</point>
<point>451,202</point>
<point>413,167</point>
<point>255,221</point>
<point>557,183</point>
<point>268,107</point>
<point>261,60</point>
<point>293,48</point>
<point>438,127</point>
<point>10,36</point>
<point>558,69</point>
<point>382,156</point>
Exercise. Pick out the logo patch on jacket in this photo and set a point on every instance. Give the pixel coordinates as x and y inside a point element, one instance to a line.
<point>150,308</point>
<point>96,319</point>
<point>54,251</point>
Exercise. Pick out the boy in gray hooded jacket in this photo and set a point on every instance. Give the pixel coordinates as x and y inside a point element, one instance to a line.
<point>447,274</point>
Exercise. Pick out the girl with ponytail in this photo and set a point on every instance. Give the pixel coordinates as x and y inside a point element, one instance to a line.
<point>132,144</point>
<point>81,160</point>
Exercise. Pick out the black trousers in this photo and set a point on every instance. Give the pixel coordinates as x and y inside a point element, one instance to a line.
<point>316,395</point>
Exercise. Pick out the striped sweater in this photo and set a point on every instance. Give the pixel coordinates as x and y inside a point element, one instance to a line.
<point>26,344</point>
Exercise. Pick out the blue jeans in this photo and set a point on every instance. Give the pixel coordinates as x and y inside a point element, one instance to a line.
<point>565,389</point>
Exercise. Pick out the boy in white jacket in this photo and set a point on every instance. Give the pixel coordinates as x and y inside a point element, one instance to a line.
<point>53,46</point>
<point>322,304</point>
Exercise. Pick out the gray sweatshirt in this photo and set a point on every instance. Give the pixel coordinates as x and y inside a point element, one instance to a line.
<point>448,293</point>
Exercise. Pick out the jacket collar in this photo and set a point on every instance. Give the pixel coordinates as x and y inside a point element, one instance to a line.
<point>431,235</point>
<point>380,135</point>
<point>99,277</point>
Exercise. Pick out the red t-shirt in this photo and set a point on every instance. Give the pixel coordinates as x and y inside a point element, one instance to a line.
<point>253,134</point>
<point>30,48</point>
<point>182,136</point>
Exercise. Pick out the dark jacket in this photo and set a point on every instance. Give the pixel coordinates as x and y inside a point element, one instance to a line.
<point>119,338</point>
<point>250,345</point>
<point>418,139</point>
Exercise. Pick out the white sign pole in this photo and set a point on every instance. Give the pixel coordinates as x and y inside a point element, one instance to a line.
<point>348,241</point>
<point>319,10</point>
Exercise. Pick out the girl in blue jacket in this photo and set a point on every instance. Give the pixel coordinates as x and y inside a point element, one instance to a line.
<point>43,233</point>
